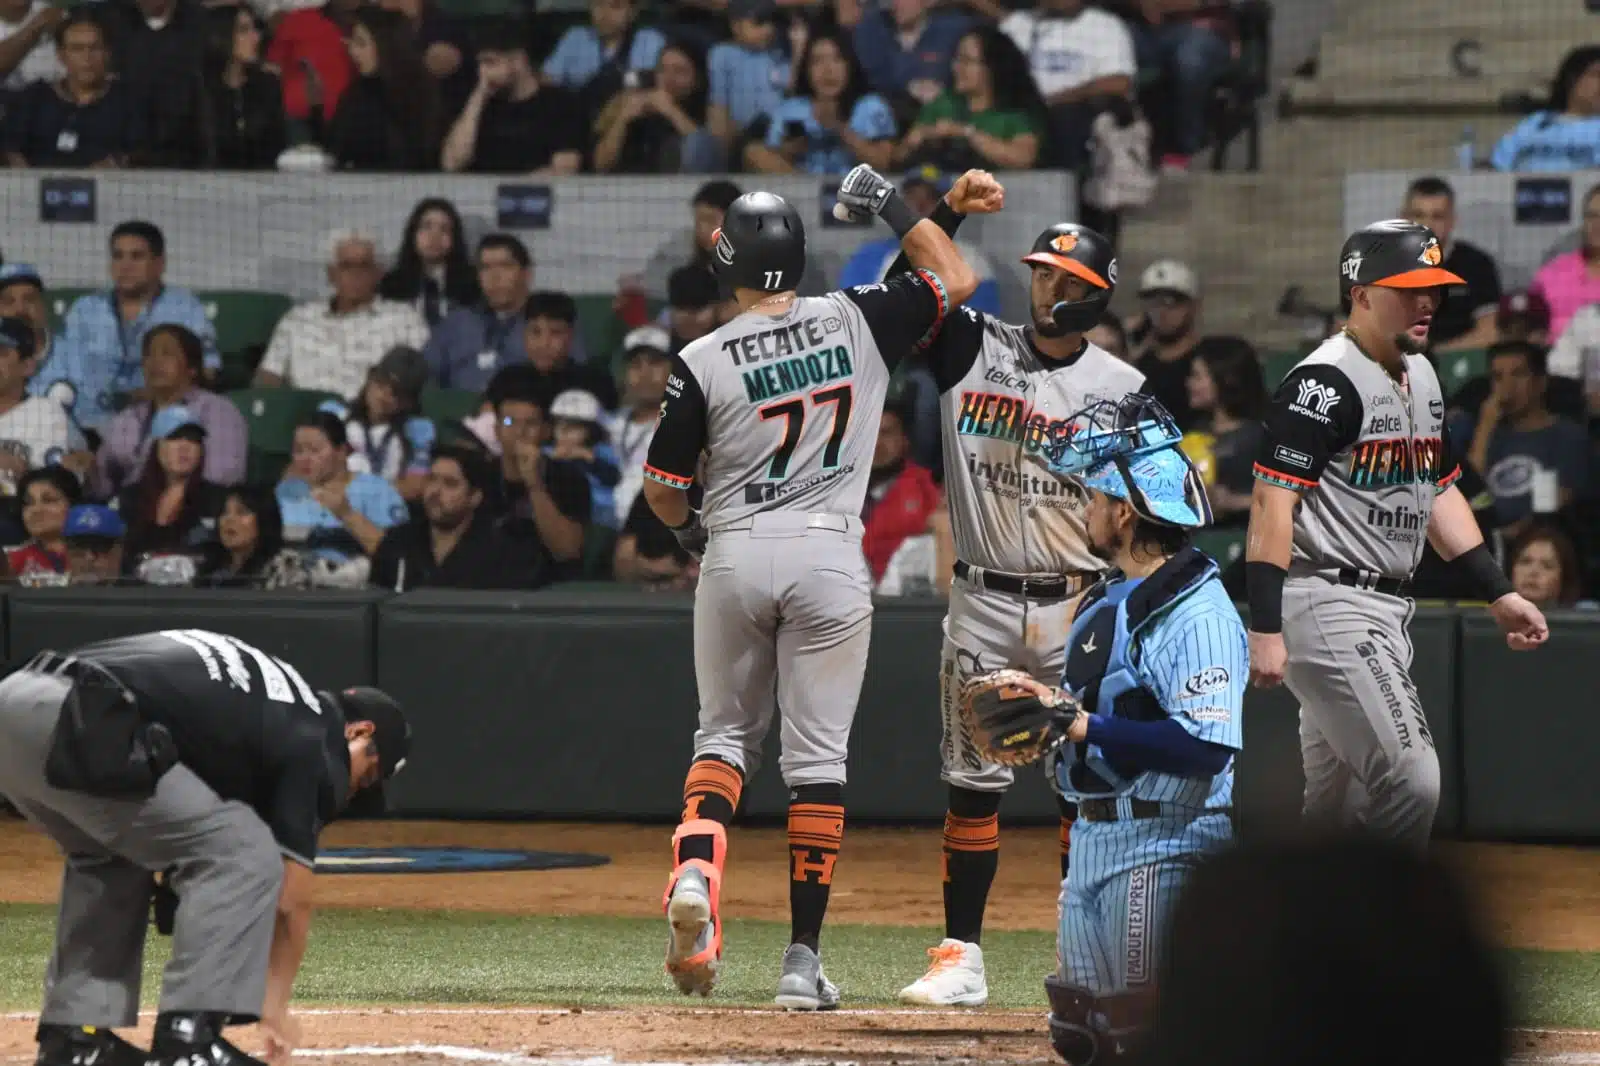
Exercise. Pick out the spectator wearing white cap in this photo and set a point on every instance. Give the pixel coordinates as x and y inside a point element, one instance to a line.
<point>632,425</point>
<point>1162,337</point>
<point>34,431</point>
<point>578,436</point>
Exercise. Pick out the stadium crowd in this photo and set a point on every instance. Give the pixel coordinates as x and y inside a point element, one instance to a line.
<point>122,457</point>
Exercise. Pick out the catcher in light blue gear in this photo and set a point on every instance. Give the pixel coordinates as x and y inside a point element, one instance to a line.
<point>1142,733</point>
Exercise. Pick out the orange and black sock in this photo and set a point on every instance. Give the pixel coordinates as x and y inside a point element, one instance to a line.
<point>816,828</point>
<point>710,791</point>
<point>971,857</point>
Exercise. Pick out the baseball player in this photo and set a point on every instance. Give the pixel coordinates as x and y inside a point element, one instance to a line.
<point>1156,669</point>
<point>1019,535</point>
<point>195,755</point>
<point>785,399</point>
<point>1356,472</point>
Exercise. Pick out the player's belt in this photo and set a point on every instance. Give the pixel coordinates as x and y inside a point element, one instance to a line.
<point>1366,579</point>
<point>1054,587</point>
<point>1105,810</point>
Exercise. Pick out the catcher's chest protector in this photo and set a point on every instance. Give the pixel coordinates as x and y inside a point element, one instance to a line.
<point>1103,649</point>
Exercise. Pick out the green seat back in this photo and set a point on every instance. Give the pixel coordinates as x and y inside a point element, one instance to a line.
<point>1276,365</point>
<point>448,405</point>
<point>270,416</point>
<point>1458,368</point>
<point>1223,545</point>
<point>242,317</point>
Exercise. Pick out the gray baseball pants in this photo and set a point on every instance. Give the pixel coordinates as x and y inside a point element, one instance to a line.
<point>782,620</point>
<point>1364,740</point>
<point>227,871</point>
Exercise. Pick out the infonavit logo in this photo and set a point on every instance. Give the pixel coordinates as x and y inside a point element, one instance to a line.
<point>1314,400</point>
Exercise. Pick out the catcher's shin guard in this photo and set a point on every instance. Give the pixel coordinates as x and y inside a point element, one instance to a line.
<point>1073,1032</point>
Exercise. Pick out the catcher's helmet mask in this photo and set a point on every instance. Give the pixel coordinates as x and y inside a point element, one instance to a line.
<point>1129,450</point>
<point>1084,254</point>
<point>1393,254</point>
<point>761,244</point>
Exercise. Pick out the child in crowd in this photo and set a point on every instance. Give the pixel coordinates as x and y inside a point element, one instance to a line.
<point>578,437</point>
<point>387,435</point>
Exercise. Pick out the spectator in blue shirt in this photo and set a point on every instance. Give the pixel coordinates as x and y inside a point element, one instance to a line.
<point>907,51</point>
<point>593,59</point>
<point>1566,135</point>
<point>749,75</point>
<point>472,343</point>
<point>832,122</point>
<point>332,513</point>
<point>578,436</point>
<point>101,341</point>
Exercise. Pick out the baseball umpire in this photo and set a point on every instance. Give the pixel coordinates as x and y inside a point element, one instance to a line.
<point>1355,475</point>
<point>194,755</point>
<point>785,399</point>
<point>1156,669</point>
<point>1023,558</point>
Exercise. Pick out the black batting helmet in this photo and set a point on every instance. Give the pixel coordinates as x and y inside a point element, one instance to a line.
<point>761,245</point>
<point>1397,254</point>
<point>1083,253</point>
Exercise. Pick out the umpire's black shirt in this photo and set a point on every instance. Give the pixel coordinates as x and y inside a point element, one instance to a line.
<point>246,723</point>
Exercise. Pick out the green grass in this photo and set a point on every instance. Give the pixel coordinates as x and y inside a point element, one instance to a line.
<point>391,956</point>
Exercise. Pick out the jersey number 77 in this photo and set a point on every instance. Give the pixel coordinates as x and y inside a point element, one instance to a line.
<point>793,413</point>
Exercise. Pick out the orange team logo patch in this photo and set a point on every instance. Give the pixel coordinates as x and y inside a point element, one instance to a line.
<point>1064,243</point>
<point>1431,254</point>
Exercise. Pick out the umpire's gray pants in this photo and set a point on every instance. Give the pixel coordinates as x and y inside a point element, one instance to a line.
<point>782,619</point>
<point>1364,741</point>
<point>227,873</point>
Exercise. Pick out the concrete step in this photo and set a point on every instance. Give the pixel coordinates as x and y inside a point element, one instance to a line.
<point>1560,19</point>
<point>1350,55</point>
<point>1320,146</point>
<point>1410,95</point>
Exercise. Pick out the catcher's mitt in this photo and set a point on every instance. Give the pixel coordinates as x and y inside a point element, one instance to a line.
<point>1011,722</point>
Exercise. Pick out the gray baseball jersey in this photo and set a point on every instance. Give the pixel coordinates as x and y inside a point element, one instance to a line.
<point>999,399</point>
<point>1366,454</point>
<point>786,408</point>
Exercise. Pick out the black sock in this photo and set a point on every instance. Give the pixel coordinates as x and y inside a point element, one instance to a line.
<point>816,828</point>
<point>971,857</point>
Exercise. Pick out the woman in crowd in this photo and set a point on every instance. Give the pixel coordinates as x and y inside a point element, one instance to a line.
<point>1571,281</point>
<point>249,551</point>
<point>832,122</point>
<point>241,104</point>
<point>659,127</point>
<point>1566,134</point>
<point>387,435</point>
<point>1544,568</point>
<point>990,117</point>
<point>47,494</point>
<point>336,515</point>
<point>171,509</point>
<point>389,117</point>
<point>1227,391</point>
<point>432,271</point>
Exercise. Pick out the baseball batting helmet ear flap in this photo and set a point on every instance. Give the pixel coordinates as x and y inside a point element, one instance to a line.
<point>1083,253</point>
<point>1395,254</point>
<point>761,245</point>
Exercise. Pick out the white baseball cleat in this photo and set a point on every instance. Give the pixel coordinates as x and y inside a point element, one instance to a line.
<point>954,978</point>
<point>694,939</point>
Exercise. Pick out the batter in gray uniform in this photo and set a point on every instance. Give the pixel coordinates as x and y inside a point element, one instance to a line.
<point>784,400</point>
<point>1022,552</point>
<point>1356,474</point>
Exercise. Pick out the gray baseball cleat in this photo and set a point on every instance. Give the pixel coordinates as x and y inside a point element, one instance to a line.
<point>694,939</point>
<point>803,985</point>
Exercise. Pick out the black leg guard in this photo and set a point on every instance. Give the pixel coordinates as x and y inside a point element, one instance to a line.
<point>1090,1030</point>
<point>1073,1032</point>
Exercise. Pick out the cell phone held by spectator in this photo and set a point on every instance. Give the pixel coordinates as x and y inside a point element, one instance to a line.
<point>639,80</point>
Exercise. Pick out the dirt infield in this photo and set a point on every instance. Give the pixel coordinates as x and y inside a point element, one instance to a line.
<point>1538,897</point>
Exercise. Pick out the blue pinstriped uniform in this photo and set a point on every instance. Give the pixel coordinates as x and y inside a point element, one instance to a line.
<point>1171,646</point>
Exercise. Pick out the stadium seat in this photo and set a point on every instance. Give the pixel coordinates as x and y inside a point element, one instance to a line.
<point>270,416</point>
<point>242,317</point>
<point>449,405</point>
<point>1223,545</point>
<point>1458,368</point>
<point>602,330</point>
<point>1275,365</point>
